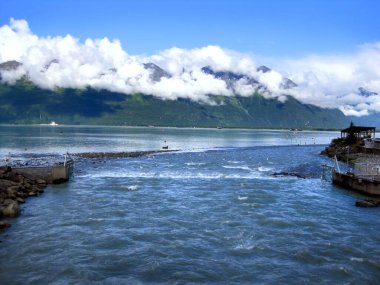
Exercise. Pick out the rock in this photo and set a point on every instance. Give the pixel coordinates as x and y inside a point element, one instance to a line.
<point>13,188</point>
<point>41,181</point>
<point>4,226</point>
<point>283,173</point>
<point>7,202</point>
<point>15,177</point>
<point>4,183</point>
<point>22,195</point>
<point>118,154</point>
<point>5,169</point>
<point>12,210</point>
<point>20,200</point>
<point>37,189</point>
<point>27,185</point>
<point>367,203</point>
<point>12,191</point>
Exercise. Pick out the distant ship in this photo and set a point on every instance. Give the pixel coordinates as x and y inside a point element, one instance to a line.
<point>52,123</point>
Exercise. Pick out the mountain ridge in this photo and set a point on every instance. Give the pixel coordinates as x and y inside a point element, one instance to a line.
<point>26,103</point>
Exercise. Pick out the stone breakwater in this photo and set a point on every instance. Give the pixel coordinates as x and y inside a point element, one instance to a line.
<point>119,154</point>
<point>15,189</point>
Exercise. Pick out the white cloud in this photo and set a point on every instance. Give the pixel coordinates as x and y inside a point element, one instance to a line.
<point>327,81</point>
<point>333,81</point>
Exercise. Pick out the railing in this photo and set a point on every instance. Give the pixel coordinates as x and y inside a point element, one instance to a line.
<point>327,172</point>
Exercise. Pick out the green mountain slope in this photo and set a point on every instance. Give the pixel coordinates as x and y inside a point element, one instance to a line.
<point>25,103</point>
<point>372,120</point>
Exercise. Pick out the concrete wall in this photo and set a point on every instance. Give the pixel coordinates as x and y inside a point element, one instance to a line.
<point>51,174</point>
<point>364,186</point>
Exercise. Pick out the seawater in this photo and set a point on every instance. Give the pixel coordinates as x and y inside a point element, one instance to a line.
<point>209,213</point>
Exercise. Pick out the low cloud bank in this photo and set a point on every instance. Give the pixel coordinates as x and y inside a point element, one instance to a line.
<point>326,81</point>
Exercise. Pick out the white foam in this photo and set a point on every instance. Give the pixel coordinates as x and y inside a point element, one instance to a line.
<point>174,175</point>
<point>242,198</point>
<point>195,163</point>
<point>356,259</point>
<point>132,188</point>
<point>242,167</point>
<point>264,169</point>
<point>245,247</point>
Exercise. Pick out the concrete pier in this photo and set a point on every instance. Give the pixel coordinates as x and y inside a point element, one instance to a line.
<point>370,187</point>
<point>51,174</point>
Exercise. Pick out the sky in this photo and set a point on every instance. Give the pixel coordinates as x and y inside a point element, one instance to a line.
<point>274,28</point>
<point>329,48</point>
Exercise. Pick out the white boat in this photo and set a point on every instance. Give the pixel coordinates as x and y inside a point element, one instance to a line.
<point>52,123</point>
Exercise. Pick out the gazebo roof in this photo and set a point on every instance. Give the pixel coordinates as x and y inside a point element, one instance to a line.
<point>358,129</point>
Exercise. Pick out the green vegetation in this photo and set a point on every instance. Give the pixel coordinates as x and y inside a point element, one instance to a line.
<point>25,103</point>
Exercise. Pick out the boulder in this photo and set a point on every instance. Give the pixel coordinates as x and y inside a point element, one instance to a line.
<point>367,203</point>
<point>41,181</point>
<point>5,169</point>
<point>22,194</point>
<point>37,189</point>
<point>20,200</point>
<point>7,202</point>
<point>283,173</point>
<point>27,185</point>
<point>4,226</point>
<point>12,210</point>
<point>15,177</point>
<point>12,191</point>
<point>4,183</point>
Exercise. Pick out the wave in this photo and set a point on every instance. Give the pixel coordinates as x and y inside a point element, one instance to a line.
<point>242,167</point>
<point>131,188</point>
<point>356,259</point>
<point>234,161</point>
<point>195,163</point>
<point>175,175</point>
<point>242,198</point>
<point>264,169</point>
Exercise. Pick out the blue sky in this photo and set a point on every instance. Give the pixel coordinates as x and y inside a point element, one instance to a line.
<point>291,28</point>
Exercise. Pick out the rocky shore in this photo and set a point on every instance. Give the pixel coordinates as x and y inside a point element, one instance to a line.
<point>343,151</point>
<point>15,189</point>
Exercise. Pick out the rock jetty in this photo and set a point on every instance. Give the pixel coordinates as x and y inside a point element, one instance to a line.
<point>15,189</point>
<point>118,154</point>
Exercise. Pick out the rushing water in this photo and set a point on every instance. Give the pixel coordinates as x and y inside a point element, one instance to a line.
<point>209,213</point>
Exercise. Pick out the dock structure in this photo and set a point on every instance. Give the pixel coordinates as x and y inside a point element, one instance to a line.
<point>369,186</point>
<point>55,174</point>
<point>51,174</point>
<point>365,174</point>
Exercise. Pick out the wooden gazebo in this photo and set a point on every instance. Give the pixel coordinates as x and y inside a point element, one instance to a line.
<point>358,132</point>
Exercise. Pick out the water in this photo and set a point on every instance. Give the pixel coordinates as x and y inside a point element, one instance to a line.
<point>211,213</point>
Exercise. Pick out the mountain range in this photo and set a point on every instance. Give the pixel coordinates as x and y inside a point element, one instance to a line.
<point>26,103</point>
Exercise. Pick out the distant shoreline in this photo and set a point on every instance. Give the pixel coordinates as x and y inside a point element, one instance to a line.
<point>175,127</point>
